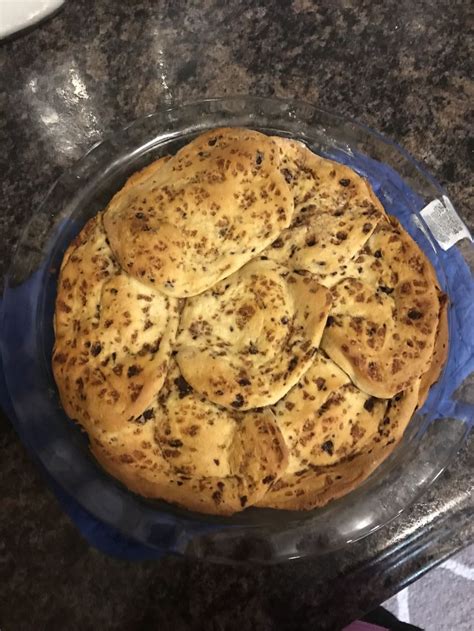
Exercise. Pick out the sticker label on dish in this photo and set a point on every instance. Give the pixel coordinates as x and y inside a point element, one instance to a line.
<point>445,224</point>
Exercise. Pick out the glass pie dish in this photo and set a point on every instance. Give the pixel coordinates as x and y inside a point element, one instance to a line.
<point>262,535</point>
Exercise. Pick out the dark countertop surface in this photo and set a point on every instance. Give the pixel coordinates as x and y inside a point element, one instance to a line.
<point>400,67</point>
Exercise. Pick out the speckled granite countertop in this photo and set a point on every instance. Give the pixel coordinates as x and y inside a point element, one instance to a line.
<point>398,66</point>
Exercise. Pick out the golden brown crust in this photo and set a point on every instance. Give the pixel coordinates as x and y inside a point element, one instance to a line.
<point>183,225</point>
<point>113,335</point>
<point>440,351</point>
<point>244,343</point>
<point>324,418</point>
<point>188,451</point>
<point>384,314</point>
<point>335,212</point>
<point>243,391</point>
<point>156,480</point>
<point>305,490</point>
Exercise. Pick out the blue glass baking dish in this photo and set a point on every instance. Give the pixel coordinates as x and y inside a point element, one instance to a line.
<point>433,437</point>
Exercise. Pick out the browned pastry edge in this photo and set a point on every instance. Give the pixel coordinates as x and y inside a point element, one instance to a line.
<point>440,351</point>
<point>384,374</point>
<point>350,473</point>
<point>209,495</point>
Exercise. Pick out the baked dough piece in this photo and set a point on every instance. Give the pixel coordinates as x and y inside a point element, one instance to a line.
<point>325,418</point>
<point>201,440</point>
<point>335,212</point>
<point>244,343</point>
<point>384,317</point>
<point>185,223</point>
<point>440,351</point>
<point>186,450</point>
<point>113,334</point>
<point>315,485</point>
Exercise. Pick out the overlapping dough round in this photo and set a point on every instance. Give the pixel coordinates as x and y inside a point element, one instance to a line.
<point>315,484</point>
<point>246,342</point>
<point>186,449</point>
<point>113,335</point>
<point>325,418</point>
<point>185,223</point>
<point>385,314</point>
<point>335,212</point>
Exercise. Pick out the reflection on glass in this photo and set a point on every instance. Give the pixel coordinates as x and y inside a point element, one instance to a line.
<point>66,117</point>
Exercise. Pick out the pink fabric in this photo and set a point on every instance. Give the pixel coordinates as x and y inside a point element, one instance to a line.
<point>363,626</point>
